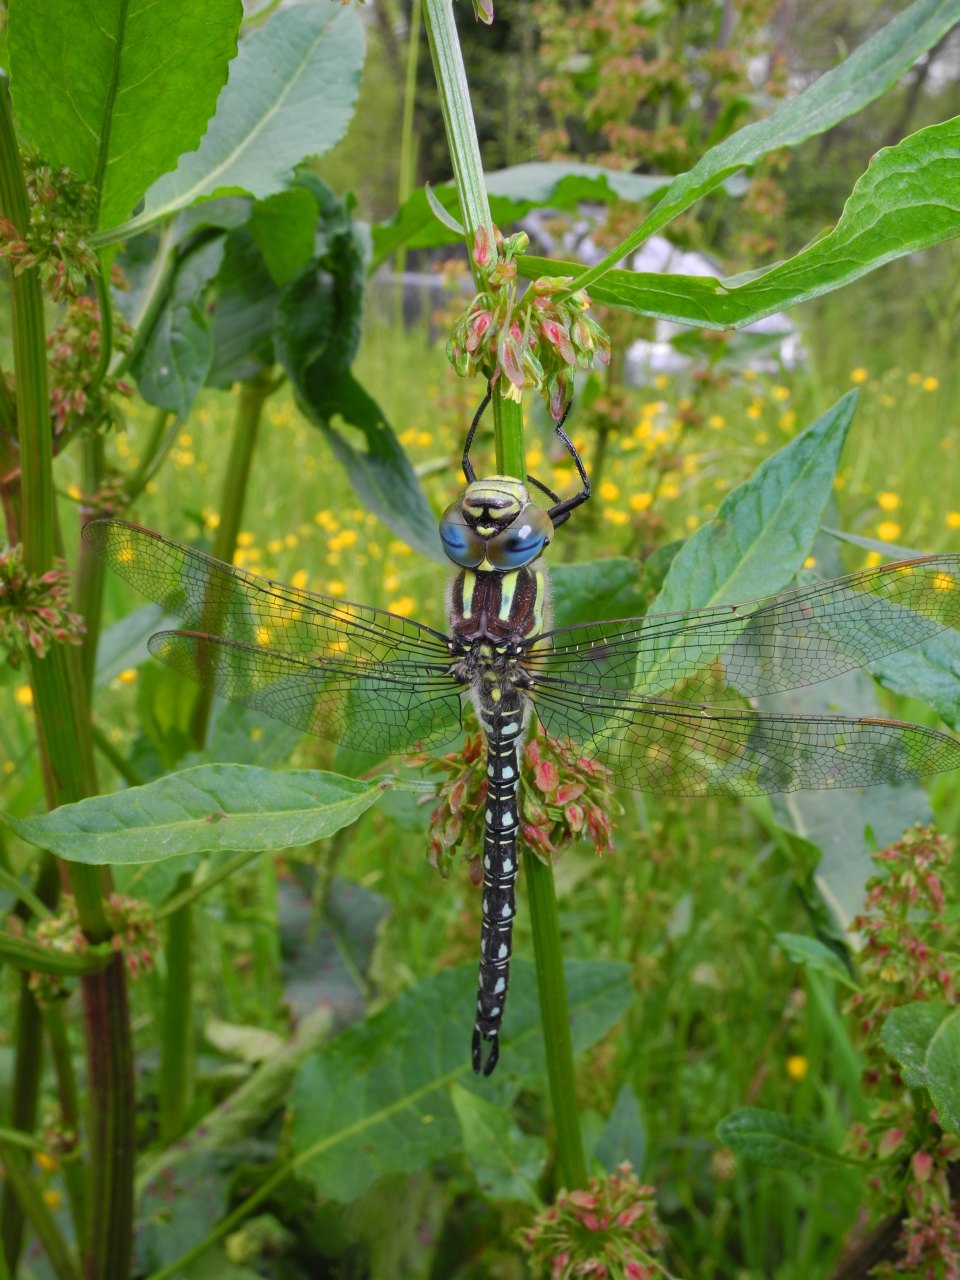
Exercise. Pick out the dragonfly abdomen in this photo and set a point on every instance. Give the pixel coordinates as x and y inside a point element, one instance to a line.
<point>503,726</point>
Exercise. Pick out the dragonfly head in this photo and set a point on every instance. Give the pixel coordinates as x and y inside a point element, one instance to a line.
<point>495,527</point>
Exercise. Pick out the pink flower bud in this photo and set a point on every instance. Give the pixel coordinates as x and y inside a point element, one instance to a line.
<point>546,777</point>
<point>922,1165</point>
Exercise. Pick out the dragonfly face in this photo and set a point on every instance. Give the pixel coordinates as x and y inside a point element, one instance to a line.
<point>657,699</point>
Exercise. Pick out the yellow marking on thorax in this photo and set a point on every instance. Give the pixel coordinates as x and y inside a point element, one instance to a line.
<point>508,585</point>
<point>469,582</point>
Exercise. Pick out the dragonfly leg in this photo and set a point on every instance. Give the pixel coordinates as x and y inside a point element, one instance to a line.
<point>468,470</point>
<point>561,512</point>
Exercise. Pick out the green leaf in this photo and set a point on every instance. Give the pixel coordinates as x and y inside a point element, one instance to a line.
<point>284,227</point>
<point>209,809</point>
<point>290,95</point>
<point>124,644</point>
<point>378,1100</point>
<point>173,363</point>
<point>839,93</point>
<point>594,592</point>
<point>905,202</point>
<point>505,1161</point>
<point>512,193</point>
<point>625,1134</point>
<point>929,671</point>
<point>816,955</point>
<point>117,90</point>
<point>925,1039</point>
<point>777,1141</point>
<point>243,319</point>
<point>763,530</point>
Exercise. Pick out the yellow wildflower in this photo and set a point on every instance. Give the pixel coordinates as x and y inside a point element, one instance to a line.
<point>888,530</point>
<point>797,1066</point>
<point>888,501</point>
<point>859,375</point>
<point>930,383</point>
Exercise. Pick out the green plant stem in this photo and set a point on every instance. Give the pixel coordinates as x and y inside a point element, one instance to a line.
<point>198,888</point>
<point>73,1172</point>
<point>35,1209</point>
<point>23,1111</point>
<point>34,957</point>
<point>123,766</point>
<point>66,751</point>
<point>552,986</point>
<point>508,433</point>
<point>89,576</point>
<point>408,140</point>
<point>156,446</point>
<point>25,894</point>
<point>176,1052</point>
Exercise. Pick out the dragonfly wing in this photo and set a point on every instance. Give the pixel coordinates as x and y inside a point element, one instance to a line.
<point>677,748</point>
<point>381,708</point>
<point>221,599</point>
<point>786,641</point>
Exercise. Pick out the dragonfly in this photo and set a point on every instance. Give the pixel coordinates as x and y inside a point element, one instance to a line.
<point>661,700</point>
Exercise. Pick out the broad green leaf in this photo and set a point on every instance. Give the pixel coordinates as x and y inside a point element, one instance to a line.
<point>512,193</point>
<point>284,227</point>
<point>625,1134</point>
<point>925,1039</point>
<point>763,530</point>
<point>814,954</point>
<point>378,1100</point>
<point>124,644</point>
<point>290,95</point>
<point>777,1141</point>
<point>212,808</point>
<point>593,592</point>
<point>118,89</point>
<point>839,93</point>
<point>173,364</point>
<point>906,201</point>
<point>929,671</point>
<point>505,1161</point>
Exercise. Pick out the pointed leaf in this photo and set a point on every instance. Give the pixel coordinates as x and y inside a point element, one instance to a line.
<point>816,955</point>
<point>596,591</point>
<point>625,1135</point>
<point>290,95</point>
<point>906,201</point>
<point>284,228</point>
<point>378,1100</point>
<point>117,90</point>
<point>212,808</point>
<point>777,1141</point>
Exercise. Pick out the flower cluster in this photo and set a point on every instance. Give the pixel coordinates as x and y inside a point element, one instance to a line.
<point>34,612</point>
<point>534,341</point>
<point>62,212</point>
<point>563,797</point>
<point>133,932</point>
<point>902,961</point>
<point>78,397</point>
<point>608,1232</point>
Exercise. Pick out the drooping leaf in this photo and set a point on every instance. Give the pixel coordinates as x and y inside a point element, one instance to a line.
<point>837,94</point>
<point>290,95</point>
<point>906,201</point>
<point>245,305</point>
<point>317,332</point>
<point>173,364</point>
<point>925,1039</point>
<point>378,1100</point>
<point>816,955</point>
<point>124,644</point>
<point>777,1141</point>
<point>117,90</point>
<point>211,808</point>
<point>505,1161</point>
<point>512,193</point>
<point>284,228</point>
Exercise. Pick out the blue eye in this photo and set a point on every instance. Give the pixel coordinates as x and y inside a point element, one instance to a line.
<point>461,544</point>
<point>522,542</point>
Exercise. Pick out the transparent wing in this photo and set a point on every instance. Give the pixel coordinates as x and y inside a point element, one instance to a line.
<point>382,707</point>
<point>796,638</point>
<point>677,748</point>
<point>220,599</point>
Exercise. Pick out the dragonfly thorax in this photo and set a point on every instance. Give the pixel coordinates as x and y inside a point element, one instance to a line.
<point>495,527</point>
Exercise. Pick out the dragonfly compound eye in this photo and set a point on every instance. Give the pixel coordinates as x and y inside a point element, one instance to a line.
<point>522,542</point>
<point>461,544</point>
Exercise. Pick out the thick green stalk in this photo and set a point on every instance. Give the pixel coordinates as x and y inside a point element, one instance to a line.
<point>23,1111</point>
<point>66,749</point>
<point>73,1172</point>
<point>508,429</point>
<point>177,1052</point>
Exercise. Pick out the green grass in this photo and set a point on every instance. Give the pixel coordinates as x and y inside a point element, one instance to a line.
<point>696,890</point>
